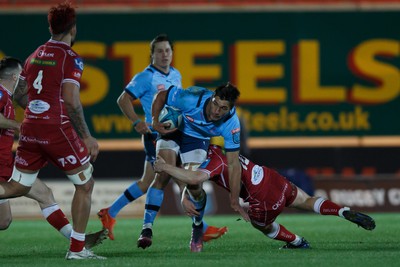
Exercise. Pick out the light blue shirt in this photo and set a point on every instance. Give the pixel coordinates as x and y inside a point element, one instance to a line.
<point>192,102</point>
<point>147,83</point>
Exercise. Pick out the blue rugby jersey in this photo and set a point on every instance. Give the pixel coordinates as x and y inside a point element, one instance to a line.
<point>192,102</point>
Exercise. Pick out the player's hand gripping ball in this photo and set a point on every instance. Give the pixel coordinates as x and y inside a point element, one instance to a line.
<point>172,116</point>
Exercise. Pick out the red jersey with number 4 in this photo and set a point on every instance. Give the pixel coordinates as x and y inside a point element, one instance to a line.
<point>6,135</point>
<point>45,71</point>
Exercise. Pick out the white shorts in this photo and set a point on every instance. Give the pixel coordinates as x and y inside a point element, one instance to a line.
<point>194,156</point>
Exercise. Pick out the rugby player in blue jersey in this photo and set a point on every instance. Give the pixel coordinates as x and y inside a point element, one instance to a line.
<point>158,76</point>
<point>205,114</point>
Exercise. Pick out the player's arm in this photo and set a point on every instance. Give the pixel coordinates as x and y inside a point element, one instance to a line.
<point>20,93</point>
<point>75,112</point>
<point>8,124</point>
<point>158,103</point>
<point>124,102</point>
<point>185,176</point>
<point>234,170</point>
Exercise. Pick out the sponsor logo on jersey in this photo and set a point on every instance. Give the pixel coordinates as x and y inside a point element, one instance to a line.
<point>37,61</point>
<point>38,106</point>
<point>77,74</point>
<point>71,53</point>
<point>79,63</point>
<point>257,175</point>
<point>281,199</point>
<point>236,137</point>
<point>160,87</point>
<point>31,139</point>
<point>1,95</point>
<point>21,161</point>
<point>237,130</point>
<point>189,118</point>
<point>41,53</point>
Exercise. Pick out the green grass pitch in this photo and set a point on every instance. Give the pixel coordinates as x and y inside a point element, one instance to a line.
<point>335,242</point>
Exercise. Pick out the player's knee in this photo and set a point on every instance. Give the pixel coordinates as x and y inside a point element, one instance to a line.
<point>82,177</point>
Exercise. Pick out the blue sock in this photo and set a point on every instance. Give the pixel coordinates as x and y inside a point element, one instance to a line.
<point>205,225</point>
<point>154,200</point>
<point>131,193</point>
<point>200,207</point>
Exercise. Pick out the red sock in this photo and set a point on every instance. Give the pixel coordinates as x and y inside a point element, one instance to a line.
<point>57,219</point>
<point>76,245</point>
<point>329,208</point>
<point>77,242</point>
<point>279,232</point>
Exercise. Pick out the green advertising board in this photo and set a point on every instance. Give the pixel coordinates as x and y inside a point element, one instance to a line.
<point>333,73</point>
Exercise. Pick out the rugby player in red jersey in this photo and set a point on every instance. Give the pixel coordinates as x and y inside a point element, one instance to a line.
<point>267,193</point>
<point>10,69</point>
<point>54,128</point>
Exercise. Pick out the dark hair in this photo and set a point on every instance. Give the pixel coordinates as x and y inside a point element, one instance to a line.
<point>160,38</point>
<point>227,92</point>
<point>61,18</point>
<point>8,65</point>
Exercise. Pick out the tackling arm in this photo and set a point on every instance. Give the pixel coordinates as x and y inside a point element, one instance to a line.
<point>8,124</point>
<point>234,170</point>
<point>185,176</point>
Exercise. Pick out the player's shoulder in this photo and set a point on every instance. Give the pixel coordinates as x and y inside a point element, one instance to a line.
<point>174,70</point>
<point>72,53</point>
<point>143,77</point>
<point>197,90</point>
<point>146,74</point>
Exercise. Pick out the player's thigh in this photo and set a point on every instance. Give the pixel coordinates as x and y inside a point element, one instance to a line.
<point>193,150</point>
<point>302,200</point>
<point>168,150</point>
<point>67,151</point>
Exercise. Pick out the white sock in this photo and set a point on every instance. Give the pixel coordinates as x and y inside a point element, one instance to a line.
<point>341,211</point>
<point>297,241</point>
<point>78,236</point>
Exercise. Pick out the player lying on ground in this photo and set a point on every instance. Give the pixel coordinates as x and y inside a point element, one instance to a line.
<point>267,193</point>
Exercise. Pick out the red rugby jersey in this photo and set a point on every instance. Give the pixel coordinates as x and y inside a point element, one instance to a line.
<point>45,71</point>
<point>6,135</point>
<point>254,178</point>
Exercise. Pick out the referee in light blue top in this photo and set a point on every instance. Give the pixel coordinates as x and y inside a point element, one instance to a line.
<point>158,76</point>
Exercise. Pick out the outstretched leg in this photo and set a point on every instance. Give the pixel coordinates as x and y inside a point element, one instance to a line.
<point>326,207</point>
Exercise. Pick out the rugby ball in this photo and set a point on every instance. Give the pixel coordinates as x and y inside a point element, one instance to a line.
<point>172,116</point>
